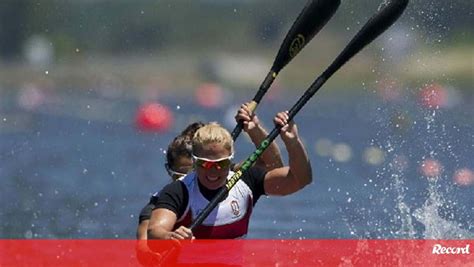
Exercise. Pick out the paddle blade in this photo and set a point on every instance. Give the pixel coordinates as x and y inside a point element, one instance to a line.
<point>312,18</point>
<point>388,12</point>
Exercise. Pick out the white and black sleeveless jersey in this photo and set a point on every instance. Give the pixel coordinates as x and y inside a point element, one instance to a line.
<point>187,197</point>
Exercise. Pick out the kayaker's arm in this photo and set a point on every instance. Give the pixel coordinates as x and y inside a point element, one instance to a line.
<point>142,230</point>
<point>271,158</point>
<point>298,174</point>
<point>162,223</point>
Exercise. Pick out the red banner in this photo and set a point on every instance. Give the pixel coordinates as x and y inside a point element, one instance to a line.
<point>237,253</point>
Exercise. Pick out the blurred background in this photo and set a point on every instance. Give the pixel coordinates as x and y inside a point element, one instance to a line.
<point>92,92</point>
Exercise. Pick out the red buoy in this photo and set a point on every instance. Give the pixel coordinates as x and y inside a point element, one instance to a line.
<point>431,168</point>
<point>433,96</point>
<point>464,177</point>
<point>210,95</point>
<point>154,117</point>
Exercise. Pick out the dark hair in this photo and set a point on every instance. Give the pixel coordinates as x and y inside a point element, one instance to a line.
<point>181,146</point>
<point>191,129</point>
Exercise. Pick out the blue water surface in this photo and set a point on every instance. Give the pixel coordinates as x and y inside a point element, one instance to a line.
<point>77,167</point>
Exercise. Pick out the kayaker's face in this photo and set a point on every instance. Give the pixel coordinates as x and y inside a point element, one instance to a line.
<point>212,175</point>
<point>182,166</point>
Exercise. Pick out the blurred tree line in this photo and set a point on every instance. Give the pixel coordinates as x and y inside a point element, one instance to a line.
<point>122,26</point>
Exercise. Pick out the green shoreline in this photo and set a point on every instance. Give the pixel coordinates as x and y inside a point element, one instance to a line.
<point>452,66</point>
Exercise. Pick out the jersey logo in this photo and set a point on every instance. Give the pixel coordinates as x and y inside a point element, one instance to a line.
<point>235,207</point>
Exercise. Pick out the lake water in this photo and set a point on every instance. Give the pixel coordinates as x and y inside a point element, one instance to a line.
<point>75,166</point>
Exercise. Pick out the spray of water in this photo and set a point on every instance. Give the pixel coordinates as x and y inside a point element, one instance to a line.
<point>406,230</point>
<point>437,227</point>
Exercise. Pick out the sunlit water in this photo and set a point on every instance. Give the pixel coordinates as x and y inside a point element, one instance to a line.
<point>76,167</point>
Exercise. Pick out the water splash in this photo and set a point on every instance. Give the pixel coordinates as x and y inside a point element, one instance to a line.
<point>437,227</point>
<point>406,230</point>
<point>415,204</point>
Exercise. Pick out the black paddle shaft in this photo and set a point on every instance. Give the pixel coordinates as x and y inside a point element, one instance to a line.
<point>377,24</point>
<point>309,22</point>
